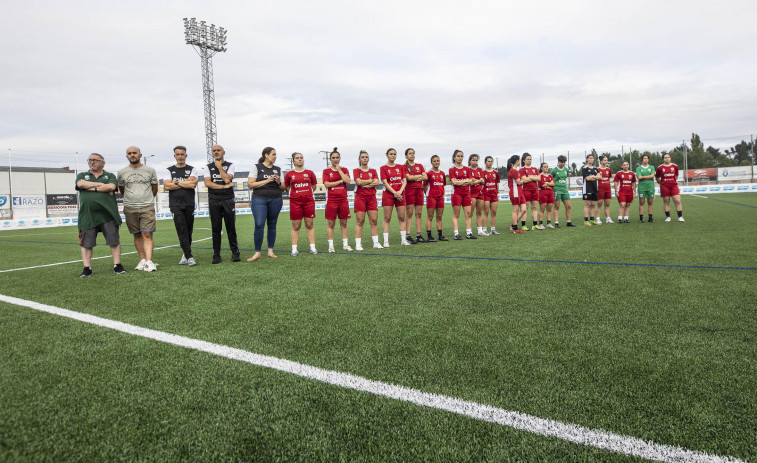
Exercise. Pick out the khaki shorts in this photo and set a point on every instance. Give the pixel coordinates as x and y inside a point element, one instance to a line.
<point>140,219</point>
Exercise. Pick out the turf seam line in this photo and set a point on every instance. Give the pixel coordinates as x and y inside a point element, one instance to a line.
<point>729,202</point>
<point>597,438</point>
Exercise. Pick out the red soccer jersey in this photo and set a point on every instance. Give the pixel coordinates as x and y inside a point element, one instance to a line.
<point>361,174</point>
<point>477,173</point>
<point>626,181</point>
<point>529,172</point>
<point>604,182</point>
<point>460,174</point>
<point>393,175</point>
<point>491,182</point>
<point>300,184</point>
<point>339,191</point>
<point>515,189</point>
<point>667,175</point>
<point>546,178</point>
<point>415,169</point>
<point>436,182</point>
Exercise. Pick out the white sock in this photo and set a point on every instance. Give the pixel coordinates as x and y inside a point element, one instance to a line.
<point>331,243</point>
<point>312,247</point>
<point>456,233</point>
<point>625,217</point>
<point>358,241</point>
<point>493,229</point>
<point>386,237</point>
<point>468,231</point>
<point>294,248</point>
<point>403,234</point>
<point>620,218</point>
<point>375,239</point>
<point>345,242</point>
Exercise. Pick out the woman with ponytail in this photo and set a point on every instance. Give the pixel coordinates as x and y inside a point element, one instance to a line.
<point>266,184</point>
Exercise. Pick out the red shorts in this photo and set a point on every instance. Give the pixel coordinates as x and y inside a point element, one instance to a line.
<point>460,200</point>
<point>491,197</point>
<point>365,203</point>
<point>604,194</point>
<point>299,209</point>
<point>388,200</point>
<point>530,195</point>
<point>476,194</point>
<point>624,197</point>
<point>517,200</point>
<point>547,196</point>
<point>339,208</point>
<point>669,190</point>
<point>435,202</point>
<point>413,196</point>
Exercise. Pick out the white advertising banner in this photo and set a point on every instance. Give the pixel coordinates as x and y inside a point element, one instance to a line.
<point>727,174</point>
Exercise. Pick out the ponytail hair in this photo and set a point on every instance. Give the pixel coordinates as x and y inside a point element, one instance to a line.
<point>470,158</point>
<point>266,151</point>
<point>512,161</point>
<point>391,149</point>
<point>407,163</point>
<point>523,158</point>
<point>455,154</point>
<point>486,159</point>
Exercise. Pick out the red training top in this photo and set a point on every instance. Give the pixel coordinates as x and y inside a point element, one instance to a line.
<point>546,178</point>
<point>667,175</point>
<point>604,182</point>
<point>393,175</point>
<point>460,174</point>
<point>300,184</point>
<point>361,174</point>
<point>626,181</point>
<point>415,169</point>
<point>516,190</point>
<point>436,182</point>
<point>476,173</point>
<point>529,172</point>
<point>491,182</point>
<point>339,191</point>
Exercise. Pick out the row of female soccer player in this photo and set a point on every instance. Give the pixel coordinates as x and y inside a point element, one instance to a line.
<point>408,186</point>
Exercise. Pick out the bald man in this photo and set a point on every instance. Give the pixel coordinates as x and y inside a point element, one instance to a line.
<point>138,184</point>
<point>219,176</point>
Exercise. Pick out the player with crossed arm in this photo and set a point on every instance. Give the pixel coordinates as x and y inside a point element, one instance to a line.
<point>180,181</point>
<point>625,190</point>
<point>434,185</point>
<point>491,194</point>
<point>591,178</point>
<point>530,177</point>
<point>560,175</point>
<point>546,195</point>
<point>604,194</point>
<point>415,175</point>
<point>335,179</point>
<point>367,180</point>
<point>301,183</point>
<point>645,175</point>
<point>667,176</point>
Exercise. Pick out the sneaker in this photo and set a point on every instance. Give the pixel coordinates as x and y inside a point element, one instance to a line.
<point>141,265</point>
<point>626,221</point>
<point>183,260</point>
<point>535,227</point>
<point>471,236</point>
<point>651,220</point>
<point>524,228</point>
<point>549,225</point>
<point>358,247</point>
<point>86,273</point>
<point>295,253</point>
<point>557,225</point>
<point>150,266</point>
<point>494,232</point>
<point>570,224</point>
<point>386,244</point>
<point>313,251</point>
<point>443,239</point>
<point>599,221</point>
<point>216,259</point>
<point>457,237</point>
<point>405,243</point>
<point>608,220</point>
<point>431,240</point>
<point>378,246</point>
<point>680,219</point>
<point>518,231</point>
<point>235,257</point>
<point>667,219</point>
<point>348,248</point>
<point>641,220</point>
<point>542,227</point>
<point>587,224</point>
<point>191,262</point>
<point>118,269</point>
<point>419,239</point>
<point>483,233</point>
<point>331,250</point>
<point>411,241</point>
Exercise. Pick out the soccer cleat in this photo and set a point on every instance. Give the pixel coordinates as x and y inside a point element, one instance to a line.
<point>626,221</point>
<point>295,253</point>
<point>680,219</point>
<point>313,251</point>
<point>183,260</point>
<point>494,232</point>
<point>542,227</point>
<point>419,239</point>
<point>216,259</point>
<point>410,240</point>
<point>141,265</point>
<point>405,242</point>
<point>535,227</point>
<point>119,269</point>
<point>483,233</point>
<point>331,250</point>
<point>587,224</point>
<point>608,220</point>
<point>191,262</point>
<point>651,220</point>
<point>358,247</point>
<point>431,240</point>
<point>457,237</point>
<point>667,219</point>
<point>86,273</point>
<point>378,246</point>
<point>599,221</point>
<point>549,225</point>
<point>557,225</point>
<point>641,220</point>
<point>518,231</point>
<point>150,266</point>
<point>348,248</point>
<point>524,228</point>
<point>235,257</point>
<point>570,224</point>
<point>443,239</point>
<point>471,236</point>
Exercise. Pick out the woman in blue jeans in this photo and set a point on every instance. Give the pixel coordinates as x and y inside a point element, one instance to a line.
<point>266,183</point>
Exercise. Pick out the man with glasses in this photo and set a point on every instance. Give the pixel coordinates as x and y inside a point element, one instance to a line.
<point>219,179</point>
<point>180,181</point>
<point>98,213</point>
<point>139,185</point>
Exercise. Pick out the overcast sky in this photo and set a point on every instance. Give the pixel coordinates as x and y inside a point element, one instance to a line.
<point>491,77</point>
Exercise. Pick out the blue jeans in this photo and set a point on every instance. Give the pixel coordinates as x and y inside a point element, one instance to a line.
<point>265,209</point>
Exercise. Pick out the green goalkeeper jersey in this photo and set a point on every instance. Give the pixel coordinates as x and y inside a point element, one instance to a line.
<point>647,184</point>
<point>561,179</point>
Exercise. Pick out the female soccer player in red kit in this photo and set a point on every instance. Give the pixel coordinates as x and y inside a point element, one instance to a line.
<point>491,194</point>
<point>667,177</point>
<point>394,180</point>
<point>530,177</point>
<point>367,180</point>
<point>460,176</point>
<point>546,195</point>
<point>477,192</point>
<point>301,183</point>
<point>415,175</point>
<point>625,190</point>
<point>515,184</point>
<point>436,179</point>
<point>335,179</point>
<point>604,192</point>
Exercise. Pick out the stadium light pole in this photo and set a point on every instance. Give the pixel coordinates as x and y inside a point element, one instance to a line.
<point>206,41</point>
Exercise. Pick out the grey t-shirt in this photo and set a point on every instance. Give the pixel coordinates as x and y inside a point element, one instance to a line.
<point>137,183</point>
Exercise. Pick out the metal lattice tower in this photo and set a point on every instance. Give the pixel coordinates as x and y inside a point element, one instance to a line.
<point>206,41</point>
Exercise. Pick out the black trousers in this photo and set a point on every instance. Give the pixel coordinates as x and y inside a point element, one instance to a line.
<point>184,221</point>
<point>223,210</point>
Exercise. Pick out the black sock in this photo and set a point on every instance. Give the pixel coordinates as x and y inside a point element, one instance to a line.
<point>641,216</point>
<point>586,219</point>
<point>418,235</point>
<point>591,218</point>
<point>541,222</point>
<point>680,213</point>
<point>522,223</point>
<point>667,213</point>
<point>514,227</point>
<point>650,216</point>
<point>440,233</point>
<point>429,233</point>
<point>534,223</point>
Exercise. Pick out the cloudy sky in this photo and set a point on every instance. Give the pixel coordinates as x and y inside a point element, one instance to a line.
<point>492,77</point>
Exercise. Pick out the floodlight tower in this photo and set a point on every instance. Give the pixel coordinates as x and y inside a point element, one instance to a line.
<point>207,41</point>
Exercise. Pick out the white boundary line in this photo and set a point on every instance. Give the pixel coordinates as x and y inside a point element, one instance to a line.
<point>94,258</point>
<point>617,443</point>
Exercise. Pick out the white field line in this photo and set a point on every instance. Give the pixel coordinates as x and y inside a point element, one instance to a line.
<point>94,258</point>
<point>617,443</point>
<point>699,196</point>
